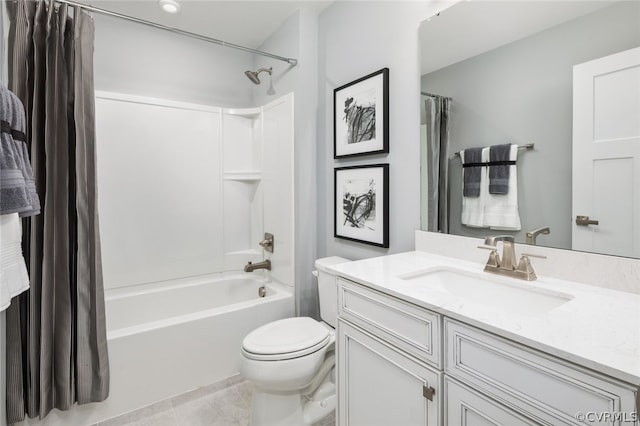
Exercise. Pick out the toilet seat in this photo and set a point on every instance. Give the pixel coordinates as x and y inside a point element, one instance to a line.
<point>286,339</point>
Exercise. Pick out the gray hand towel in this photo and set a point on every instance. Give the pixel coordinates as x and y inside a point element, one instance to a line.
<point>17,187</point>
<point>19,123</point>
<point>13,192</point>
<point>499,175</point>
<point>471,175</point>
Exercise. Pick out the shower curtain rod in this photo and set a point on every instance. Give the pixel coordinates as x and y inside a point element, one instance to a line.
<point>290,61</point>
<point>433,95</point>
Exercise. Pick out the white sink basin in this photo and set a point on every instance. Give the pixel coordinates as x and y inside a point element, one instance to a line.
<point>502,293</point>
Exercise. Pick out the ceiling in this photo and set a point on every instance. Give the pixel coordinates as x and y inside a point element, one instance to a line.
<point>247,23</point>
<point>467,29</point>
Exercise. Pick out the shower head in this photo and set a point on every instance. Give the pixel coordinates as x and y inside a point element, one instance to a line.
<point>253,75</point>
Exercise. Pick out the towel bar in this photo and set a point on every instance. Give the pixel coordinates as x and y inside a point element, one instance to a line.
<point>528,147</point>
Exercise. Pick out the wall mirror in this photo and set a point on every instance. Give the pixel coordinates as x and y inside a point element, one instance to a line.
<point>496,72</point>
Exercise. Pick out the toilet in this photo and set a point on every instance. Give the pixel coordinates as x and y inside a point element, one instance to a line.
<point>291,361</point>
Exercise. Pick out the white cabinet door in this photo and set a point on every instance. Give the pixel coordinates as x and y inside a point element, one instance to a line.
<point>464,406</point>
<point>379,385</point>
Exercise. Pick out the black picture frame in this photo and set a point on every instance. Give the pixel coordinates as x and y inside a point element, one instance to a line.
<point>361,204</point>
<point>361,116</point>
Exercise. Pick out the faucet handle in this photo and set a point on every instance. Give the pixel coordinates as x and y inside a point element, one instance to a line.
<point>494,258</point>
<point>525,268</point>
<point>267,243</point>
<point>539,256</point>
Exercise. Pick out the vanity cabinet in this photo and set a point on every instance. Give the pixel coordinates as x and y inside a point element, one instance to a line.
<point>540,386</point>
<point>401,364</point>
<point>468,407</point>
<point>380,381</point>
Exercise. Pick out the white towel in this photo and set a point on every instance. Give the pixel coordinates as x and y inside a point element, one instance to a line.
<point>473,214</point>
<point>13,271</point>
<point>501,211</point>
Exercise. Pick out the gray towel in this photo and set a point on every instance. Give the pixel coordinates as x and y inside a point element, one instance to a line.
<point>499,175</point>
<point>17,189</point>
<point>13,193</point>
<point>19,123</point>
<point>471,175</point>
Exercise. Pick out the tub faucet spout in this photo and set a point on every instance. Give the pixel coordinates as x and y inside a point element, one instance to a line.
<point>265,264</point>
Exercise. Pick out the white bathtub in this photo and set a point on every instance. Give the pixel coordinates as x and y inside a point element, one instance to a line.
<point>171,337</point>
<point>168,338</point>
<point>142,308</point>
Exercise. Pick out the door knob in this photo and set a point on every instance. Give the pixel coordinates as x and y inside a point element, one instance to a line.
<point>585,221</point>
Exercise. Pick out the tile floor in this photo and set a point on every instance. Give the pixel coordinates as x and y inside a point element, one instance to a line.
<point>226,403</point>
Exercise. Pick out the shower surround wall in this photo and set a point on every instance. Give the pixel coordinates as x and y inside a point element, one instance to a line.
<point>188,189</point>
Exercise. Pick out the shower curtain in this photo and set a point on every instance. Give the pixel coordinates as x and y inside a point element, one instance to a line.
<point>56,334</point>
<point>438,110</point>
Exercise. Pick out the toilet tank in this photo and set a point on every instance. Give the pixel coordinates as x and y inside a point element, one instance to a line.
<point>328,289</point>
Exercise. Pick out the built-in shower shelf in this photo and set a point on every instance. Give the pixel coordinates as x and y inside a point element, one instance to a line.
<point>249,252</point>
<point>243,176</point>
<point>243,112</point>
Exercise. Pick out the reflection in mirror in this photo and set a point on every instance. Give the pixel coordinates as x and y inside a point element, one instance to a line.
<point>496,73</point>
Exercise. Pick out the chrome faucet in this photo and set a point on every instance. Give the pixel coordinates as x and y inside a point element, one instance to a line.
<point>531,235</point>
<point>507,264</point>
<point>265,264</point>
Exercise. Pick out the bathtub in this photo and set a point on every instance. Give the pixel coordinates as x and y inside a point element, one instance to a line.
<point>171,337</point>
<point>168,338</point>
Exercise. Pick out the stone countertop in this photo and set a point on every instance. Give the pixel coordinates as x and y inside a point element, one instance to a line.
<point>598,328</point>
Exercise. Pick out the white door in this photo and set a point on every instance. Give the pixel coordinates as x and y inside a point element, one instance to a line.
<point>606,154</point>
<point>379,385</point>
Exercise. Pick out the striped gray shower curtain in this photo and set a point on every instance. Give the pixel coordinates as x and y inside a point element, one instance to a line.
<point>438,112</point>
<point>56,334</point>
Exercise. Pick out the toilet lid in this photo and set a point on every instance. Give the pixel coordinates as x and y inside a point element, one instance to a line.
<point>286,338</point>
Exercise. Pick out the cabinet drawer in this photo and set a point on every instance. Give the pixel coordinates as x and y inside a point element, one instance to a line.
<point>545,387</point>
<point>407,326</point>
<point>464,406</point>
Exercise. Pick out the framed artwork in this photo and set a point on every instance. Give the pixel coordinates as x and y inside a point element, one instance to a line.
<point>361,116</point>
<point>361,195</point>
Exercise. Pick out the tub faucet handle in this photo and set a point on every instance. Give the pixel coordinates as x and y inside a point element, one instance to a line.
<point>267,243</point>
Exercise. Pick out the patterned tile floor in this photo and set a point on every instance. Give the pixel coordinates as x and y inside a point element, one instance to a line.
<point>226,403</point>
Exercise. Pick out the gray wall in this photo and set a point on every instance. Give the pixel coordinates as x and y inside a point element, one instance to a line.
<point>298,38</point>
<point>4,23</point>
<point>355,39</point>
<point>522,93</point>
<point>139,60</point>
